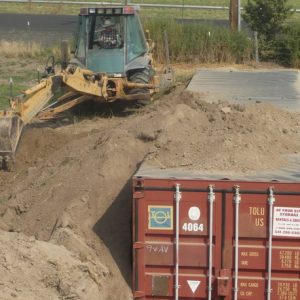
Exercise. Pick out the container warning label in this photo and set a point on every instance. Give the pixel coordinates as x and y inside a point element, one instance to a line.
<point>286,221</point>
<point>160,217</point>
<point>193,284</point>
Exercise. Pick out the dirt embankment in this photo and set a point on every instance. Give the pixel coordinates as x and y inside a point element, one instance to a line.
<point>68,204</point>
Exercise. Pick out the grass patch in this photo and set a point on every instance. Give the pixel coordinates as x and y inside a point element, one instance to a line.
<point>21,62</point>
<point>184,75</point>
<point>195,43</point>
<point>26,49</point>
<point>19,49</point>
<point>21,82</point>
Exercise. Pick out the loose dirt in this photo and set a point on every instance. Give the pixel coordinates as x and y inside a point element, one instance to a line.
<point>65,211</point>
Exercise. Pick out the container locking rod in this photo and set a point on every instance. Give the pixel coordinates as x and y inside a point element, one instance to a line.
<point>271,201</point>
<point>211,200</point>
<point>177,200</point>
<point>237,200</point>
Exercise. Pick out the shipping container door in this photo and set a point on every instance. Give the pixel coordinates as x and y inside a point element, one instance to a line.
<point>263,251</point>
<point>177,241</point>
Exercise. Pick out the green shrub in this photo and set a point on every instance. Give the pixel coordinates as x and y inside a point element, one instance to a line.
<point>287,46</point>
<point>267,17</point>
<point>284,48</point>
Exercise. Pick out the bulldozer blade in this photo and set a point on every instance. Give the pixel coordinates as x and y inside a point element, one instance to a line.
<point>10,133</point>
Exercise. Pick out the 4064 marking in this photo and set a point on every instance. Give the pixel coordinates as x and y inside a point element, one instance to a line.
<point>193,227</point>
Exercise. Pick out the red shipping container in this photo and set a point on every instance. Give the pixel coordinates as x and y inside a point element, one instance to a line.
<point>187,245</point>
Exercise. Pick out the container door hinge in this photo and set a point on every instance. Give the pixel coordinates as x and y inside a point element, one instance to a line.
<point>138,183</point>
<point>138,195</point>
<point>138,245</point>
<point>139,294</point>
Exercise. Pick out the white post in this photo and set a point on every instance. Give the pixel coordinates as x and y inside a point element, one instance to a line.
<point>256,47</point>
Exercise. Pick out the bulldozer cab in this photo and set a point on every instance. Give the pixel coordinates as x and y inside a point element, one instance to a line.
<point>109,39</point>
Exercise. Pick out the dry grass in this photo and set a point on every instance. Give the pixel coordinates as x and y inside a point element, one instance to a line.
<point>20,49</point>
<point>27,49</point>
<point>198,43</point>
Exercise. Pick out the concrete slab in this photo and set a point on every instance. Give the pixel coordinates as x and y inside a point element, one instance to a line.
<point>278,86</point>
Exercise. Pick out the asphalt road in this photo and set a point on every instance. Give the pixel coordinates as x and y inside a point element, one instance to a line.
<point>48,30</point>
<point>277,86</point>
<point>10,22</point>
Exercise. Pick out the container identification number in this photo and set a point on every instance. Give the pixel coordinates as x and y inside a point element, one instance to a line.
<point>192,227</point>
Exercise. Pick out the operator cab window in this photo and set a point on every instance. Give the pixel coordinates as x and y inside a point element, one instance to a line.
<point>80,50</point>
<point>136,45</point>
<point>108,32</point>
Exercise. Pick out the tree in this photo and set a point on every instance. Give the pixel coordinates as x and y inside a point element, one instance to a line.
<point>267,17</point>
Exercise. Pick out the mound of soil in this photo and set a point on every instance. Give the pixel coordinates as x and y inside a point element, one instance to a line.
<point>72,190</point>
<point>32,269</point>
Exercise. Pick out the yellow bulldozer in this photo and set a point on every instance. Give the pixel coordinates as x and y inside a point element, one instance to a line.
<point>112,60</point>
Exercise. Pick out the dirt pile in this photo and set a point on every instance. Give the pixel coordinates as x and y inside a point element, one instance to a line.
<point>197,135</point>
<point>32,269</point>
<point>73,189</point>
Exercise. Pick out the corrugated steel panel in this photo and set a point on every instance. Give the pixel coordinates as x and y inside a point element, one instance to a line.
<point>192,223</point>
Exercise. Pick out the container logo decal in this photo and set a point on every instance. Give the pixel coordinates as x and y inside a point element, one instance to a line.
<point>160,217</point>
<point>194,213</point>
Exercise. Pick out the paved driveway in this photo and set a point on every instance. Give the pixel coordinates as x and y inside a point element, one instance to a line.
<point>278,86</point>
